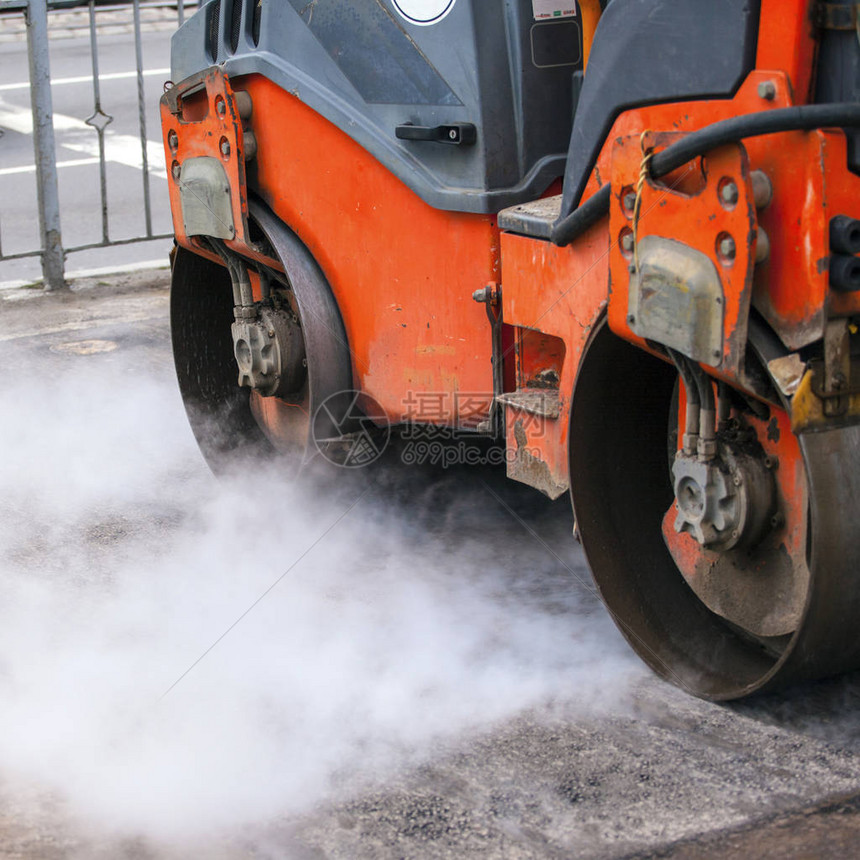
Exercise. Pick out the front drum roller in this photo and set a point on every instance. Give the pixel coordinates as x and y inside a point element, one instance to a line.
<point>622,436</point>
<point>229,420</point>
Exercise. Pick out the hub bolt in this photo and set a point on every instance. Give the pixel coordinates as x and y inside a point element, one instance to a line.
<point>627,243</point>
<point>727,248</point>
<point>729,194</point>
<point>225,148</point>
<point>630,201</point>
<point>173,140</point>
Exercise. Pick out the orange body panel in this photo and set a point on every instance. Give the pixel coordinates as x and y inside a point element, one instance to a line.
<point>590,17</point>
<point>811,184</point>
<point>561,292</point>
<point>787,42</point>
<point>402,272</point>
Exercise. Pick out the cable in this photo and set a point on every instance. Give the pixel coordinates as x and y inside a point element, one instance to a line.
<point>802,118</point>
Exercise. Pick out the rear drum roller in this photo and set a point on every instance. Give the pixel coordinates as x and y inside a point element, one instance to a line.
<point>243,398</point>
<point>772,599</point>
<point>201,313</point>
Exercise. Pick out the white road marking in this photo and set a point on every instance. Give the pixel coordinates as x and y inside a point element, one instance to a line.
<point>31,168</point>
<point>86,79</point>
<point>124,269</point>
<point>79,137</point>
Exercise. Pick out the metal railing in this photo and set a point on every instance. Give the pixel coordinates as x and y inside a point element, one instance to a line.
<point>51,251</point>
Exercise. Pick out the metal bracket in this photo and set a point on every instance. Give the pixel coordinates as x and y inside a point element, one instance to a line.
<point>832,377</point>
<point>491,297</point>
<point>494,315</point>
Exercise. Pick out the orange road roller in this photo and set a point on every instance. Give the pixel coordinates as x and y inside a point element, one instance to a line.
<point>618,239</point>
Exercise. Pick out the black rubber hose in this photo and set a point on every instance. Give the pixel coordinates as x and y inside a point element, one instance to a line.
<point>568,228</point>
<point>706,389</point>
<point>708,410</point>
<point>243,296</point>
<point>686,374</point>
<point>685,370</point>
<point>803,118</point>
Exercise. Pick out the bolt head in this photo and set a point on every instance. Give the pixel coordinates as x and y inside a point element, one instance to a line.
<point>729,194</point>
<point>627,243</point>
<point>176,171</point>
<point>767,90</point>
<point>173,140</point>
<point>220,107</point>
<point>225,148</point>
<point>727,248</point>
<point>629,201</point>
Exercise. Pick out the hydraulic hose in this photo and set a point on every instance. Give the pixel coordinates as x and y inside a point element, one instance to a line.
<point>697,143</point>
<point>708,414</point>
<point>243,296</point>
<point>691,424</point>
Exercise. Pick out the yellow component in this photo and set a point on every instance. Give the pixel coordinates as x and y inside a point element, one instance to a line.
<point>590,16</point>
<point>807,409</point>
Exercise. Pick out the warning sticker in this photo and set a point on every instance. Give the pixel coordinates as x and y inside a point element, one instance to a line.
<point>553,9</point>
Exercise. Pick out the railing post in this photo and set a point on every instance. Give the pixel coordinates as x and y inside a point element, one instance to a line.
<point>53,261</point>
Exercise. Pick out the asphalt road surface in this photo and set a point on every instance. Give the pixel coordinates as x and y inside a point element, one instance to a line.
<point>77,143</point>
<point>386,663</point>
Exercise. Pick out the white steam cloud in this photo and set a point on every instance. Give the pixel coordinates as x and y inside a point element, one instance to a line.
<point>422,612</point>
